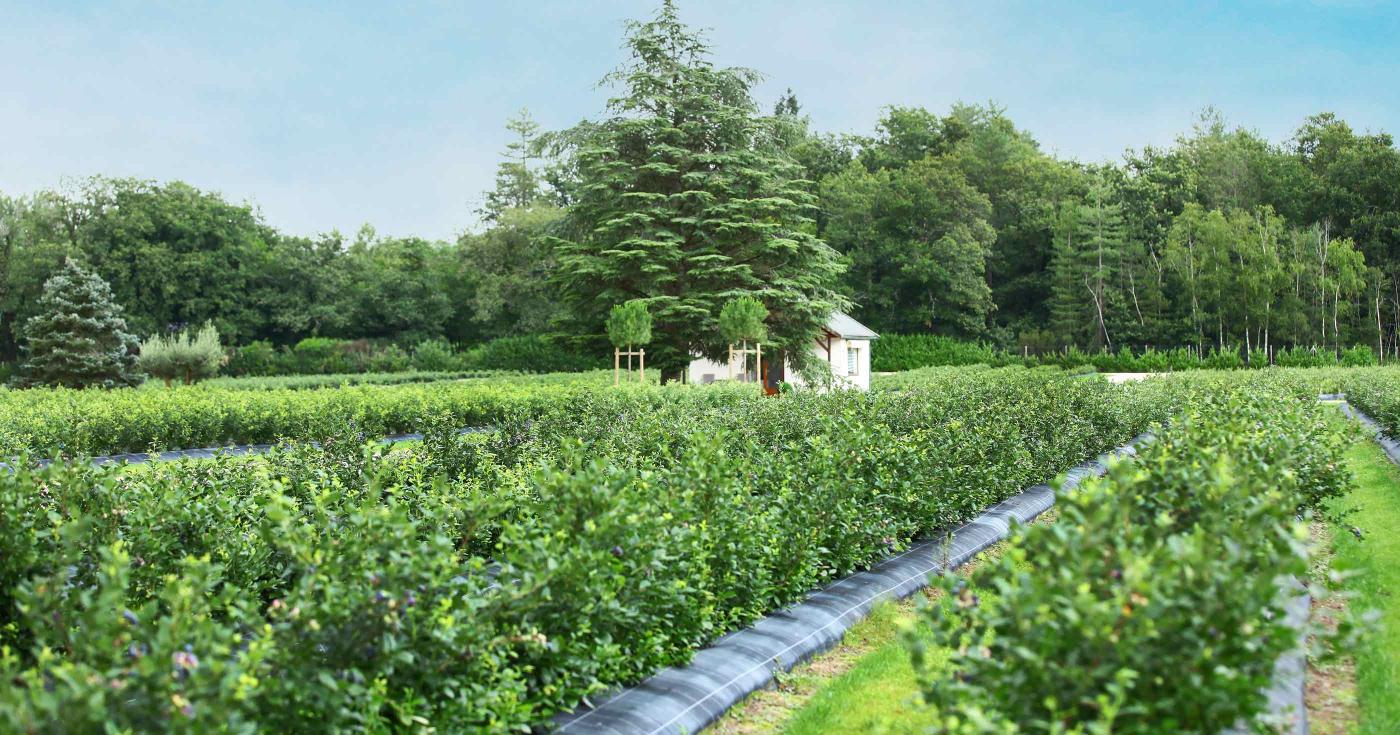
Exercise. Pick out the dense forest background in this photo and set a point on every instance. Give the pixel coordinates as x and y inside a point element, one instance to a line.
<point>951,222</point>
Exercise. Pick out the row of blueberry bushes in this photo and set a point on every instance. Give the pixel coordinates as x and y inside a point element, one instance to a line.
<point>1155,602</point>
<point>486,582</point>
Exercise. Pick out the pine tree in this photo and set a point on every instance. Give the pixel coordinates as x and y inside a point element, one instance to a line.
<point>78,338</point>
<point>685,198</point>
<point>1087,252</point>
<point>517,182</point>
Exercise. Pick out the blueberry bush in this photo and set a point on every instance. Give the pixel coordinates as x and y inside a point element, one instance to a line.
<point>1154,602</point>
<point>485,582</point>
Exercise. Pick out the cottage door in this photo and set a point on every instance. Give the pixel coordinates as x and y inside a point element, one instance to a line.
<point>774,372</point>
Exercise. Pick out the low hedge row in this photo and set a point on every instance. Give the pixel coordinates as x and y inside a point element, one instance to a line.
<point>1376,392</point>
<point>52,421</point>
<point>894,352</point>
<point>1154,602</point>
<point>342,587</point>
<point>535,353</point>
<point>336,380</point>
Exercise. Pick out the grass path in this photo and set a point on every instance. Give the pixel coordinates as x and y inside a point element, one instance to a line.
<point>1374,564</point>
<point>878,694</point>
<point>865,685</point>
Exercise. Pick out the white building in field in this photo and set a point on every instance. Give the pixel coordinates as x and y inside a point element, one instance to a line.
<point>844,344</point>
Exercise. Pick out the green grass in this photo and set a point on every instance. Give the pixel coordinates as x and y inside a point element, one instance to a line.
<point>1374,562</point>
<point>879,694</point>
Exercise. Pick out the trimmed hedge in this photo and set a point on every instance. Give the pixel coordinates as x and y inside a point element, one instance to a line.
<point>336,380</point>
<point>894,352</point>
<point>532,353</point>
<point>1155,601</point>
<point>52,421</point>
<point>343,588</point>
<point>1376,392</point>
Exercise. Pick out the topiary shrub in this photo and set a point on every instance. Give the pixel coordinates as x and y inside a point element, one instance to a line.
<point>79,338</point>
<point>629,324</point>
<point>893,352</point>
<point>741,320</point>
<point>183,357</point>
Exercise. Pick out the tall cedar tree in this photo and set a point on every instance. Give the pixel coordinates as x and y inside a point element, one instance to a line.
<point>79,338</point>
<point>685,198</point>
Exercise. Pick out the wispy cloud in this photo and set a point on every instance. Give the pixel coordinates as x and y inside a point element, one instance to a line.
<point>331,116</point>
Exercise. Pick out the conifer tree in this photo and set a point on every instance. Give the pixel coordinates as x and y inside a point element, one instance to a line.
<point>1087,248</point>
<point>517,183</point>
<point>78,339</point>
<point>685,197</point>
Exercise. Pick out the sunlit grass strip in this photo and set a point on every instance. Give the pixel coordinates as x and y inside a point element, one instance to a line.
<point>879,694</point>
<point>1374,560</point>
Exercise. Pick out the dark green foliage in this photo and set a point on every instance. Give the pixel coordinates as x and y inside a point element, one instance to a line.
<point>400,288</point>
<point>532,353</point>
<point>910,351</point>
<point>685,197</point>
<point>323,355</point>
<point>1086,257</point>
<point>502,287</point>
<point>258,358</point>
<point>917,239</point>
<point>434,354</point>
<point>78,339</point>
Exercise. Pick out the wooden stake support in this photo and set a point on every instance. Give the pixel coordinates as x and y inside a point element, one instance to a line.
<point>641,356</point>
<point>742,353</point>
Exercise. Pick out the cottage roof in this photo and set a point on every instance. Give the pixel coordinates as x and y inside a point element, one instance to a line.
<point>843,326</point>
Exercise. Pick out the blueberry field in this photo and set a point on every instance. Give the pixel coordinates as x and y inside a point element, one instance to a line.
<point>590,536</point>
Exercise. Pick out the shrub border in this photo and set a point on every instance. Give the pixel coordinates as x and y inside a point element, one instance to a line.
<point>1390,446</point>
<point>235,450</point>
<point>688,698</point>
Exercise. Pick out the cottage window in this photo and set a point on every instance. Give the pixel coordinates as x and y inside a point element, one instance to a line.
<point>852,360</point>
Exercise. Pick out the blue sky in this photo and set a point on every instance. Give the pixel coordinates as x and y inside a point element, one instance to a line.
<point>327,116</point>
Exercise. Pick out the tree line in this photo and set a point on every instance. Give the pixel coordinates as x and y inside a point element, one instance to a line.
<point>686,194</point>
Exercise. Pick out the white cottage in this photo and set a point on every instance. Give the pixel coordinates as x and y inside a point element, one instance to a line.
<point>844,344</point>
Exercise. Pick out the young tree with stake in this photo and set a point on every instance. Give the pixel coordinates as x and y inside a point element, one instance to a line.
<point>629,325</point>
<point>742,321</point>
